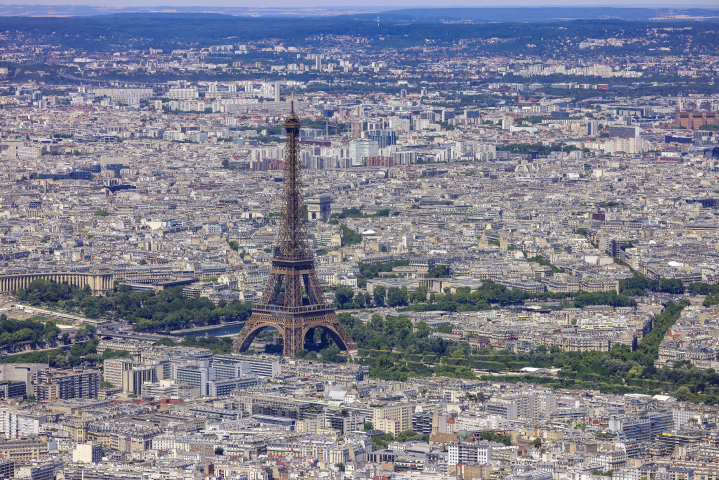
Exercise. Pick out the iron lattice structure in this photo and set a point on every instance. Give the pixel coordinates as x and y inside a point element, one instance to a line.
<point>301,305</point>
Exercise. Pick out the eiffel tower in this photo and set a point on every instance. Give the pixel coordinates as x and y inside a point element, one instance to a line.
<point>301,305</point>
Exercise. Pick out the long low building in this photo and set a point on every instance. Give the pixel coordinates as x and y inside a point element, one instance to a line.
<point>100,283</point>
<point>24,449</point>
<point>101,473</point>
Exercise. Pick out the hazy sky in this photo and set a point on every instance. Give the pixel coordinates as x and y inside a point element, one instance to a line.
<point>370,3</point>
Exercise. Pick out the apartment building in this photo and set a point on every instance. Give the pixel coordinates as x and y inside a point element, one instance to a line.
<point>563,283</point>
<point>23,449</point>
<point>37,472</point>
<point>262,367</point>
<point>165,389</point>
<point>682,417</point>
<point>642,428</point>
<point>178,93</point>
<point>322,450</point>
<point>393,418</point>
<point>134,380</point>
<point>345,423</point>
<point>52,384</point>
<point>7,468</point>
<point>101,473</point>
<point>18,424</point>
<point>125,95</point>
<point>13,390</point>
<point>504,407</point>
<point>133,347</point>
<point>87,453</point>
<point>194,375</point>
<point>527,406</point>
<point>579,343</point>
<point>276,406</point>
<point>114,368</point>
<point>477,452</point>
<point>223,388</point>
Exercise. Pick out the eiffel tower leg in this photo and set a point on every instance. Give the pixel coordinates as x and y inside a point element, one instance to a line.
<point>313,288</point>
<point>238,343</point>
<point>332,324</point>
<point>272,288</point>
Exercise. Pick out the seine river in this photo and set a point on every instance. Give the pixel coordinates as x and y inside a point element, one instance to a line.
<point>221,331</point>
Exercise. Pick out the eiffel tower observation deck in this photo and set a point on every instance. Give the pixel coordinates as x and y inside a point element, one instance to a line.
<point>293,301</point>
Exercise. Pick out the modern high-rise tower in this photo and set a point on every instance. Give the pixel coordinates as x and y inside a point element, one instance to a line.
<point>302,306</point>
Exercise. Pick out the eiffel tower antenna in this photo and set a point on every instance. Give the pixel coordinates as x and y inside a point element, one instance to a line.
<point>302,306</point>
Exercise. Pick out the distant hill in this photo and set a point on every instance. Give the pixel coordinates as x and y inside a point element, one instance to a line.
<point>535,31</point>
<point>387,13</point>
<point>545,14</point>
<point>90,11</point>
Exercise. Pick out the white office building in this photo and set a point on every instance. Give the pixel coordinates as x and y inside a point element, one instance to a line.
<point>18,424</point>
<point>177,93</point>
<point>478,452</point>
<point>87,453</point>
<point>362,148</point>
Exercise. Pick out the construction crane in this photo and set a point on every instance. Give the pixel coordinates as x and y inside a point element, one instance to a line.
<point>328,125</point>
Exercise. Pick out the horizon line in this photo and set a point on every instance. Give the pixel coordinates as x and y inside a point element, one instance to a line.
<point>654,6</point>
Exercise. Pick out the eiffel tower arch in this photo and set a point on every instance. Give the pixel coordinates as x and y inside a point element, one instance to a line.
<point>294,333</point>
<point>301,305</point>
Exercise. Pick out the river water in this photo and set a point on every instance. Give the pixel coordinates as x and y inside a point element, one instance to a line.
<point>221,331</point>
